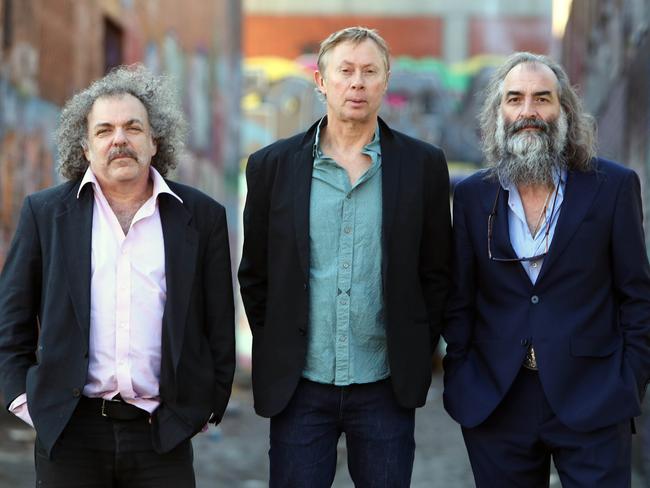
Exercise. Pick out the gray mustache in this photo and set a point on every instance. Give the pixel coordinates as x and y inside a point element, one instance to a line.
<point>122,153</point>
<point>520,124</point>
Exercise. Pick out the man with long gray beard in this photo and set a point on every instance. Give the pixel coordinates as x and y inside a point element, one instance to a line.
<point>548,322</point>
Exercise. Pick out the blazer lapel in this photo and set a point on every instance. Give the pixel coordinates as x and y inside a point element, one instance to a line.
<point>579,194</point>
<point>390,182</point>
<point>500,244</point>
<point>181,247</point>
<point>303,162</point>
<point>74,227</point>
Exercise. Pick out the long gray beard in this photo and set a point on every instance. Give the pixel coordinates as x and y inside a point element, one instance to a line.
<point>531,157</point>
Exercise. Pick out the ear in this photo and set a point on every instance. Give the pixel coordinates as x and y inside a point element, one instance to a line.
<point>320,82</point>
<point>86,151</point>
<point>154,145</point>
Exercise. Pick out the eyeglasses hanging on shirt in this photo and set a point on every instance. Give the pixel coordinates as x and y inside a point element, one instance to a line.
<point>490,224</point>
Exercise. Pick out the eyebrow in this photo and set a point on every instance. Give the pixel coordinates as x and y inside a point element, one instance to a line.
<point>535,94</point>
<point>108,124</point>
<point>345,61</point>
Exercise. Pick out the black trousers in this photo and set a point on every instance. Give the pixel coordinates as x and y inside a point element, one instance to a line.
<point>99,452</point>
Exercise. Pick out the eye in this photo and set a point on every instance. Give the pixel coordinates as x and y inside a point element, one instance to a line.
<point>134,129</point>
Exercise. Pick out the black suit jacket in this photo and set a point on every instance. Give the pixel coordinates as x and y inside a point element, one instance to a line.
<point>274,271</point>
<point>588,313</point>
<point>45,311</point>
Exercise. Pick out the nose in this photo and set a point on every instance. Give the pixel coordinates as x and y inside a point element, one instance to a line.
<point>119,138</point>
<point>357,80</point>
<point>528,110</point>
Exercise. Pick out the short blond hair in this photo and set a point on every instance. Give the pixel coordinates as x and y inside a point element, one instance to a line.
<point>355,35</point>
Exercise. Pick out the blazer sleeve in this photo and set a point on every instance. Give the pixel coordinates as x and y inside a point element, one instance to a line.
<point>253,268</point>
<point>220,314</point>
<point>459,317</point>
<point>20,285</point>
<point>435,248</point>
<point>632,278</point>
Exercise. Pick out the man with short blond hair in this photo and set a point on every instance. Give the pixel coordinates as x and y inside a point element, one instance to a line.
<point>344,276</point>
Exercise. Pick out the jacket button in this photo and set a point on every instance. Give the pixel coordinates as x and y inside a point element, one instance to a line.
<point>304,286</point>
<point>534,299</point>
<point>524,342</point>
<point>301,331</point>
<point>76,392</point>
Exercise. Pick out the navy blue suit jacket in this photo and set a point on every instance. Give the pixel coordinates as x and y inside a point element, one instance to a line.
<point>588,314</point>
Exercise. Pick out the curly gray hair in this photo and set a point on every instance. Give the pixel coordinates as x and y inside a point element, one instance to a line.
<point>581,136</point>
<point>166,118</point>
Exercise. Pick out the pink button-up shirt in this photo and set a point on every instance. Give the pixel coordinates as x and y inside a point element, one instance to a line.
<point>127,301</point>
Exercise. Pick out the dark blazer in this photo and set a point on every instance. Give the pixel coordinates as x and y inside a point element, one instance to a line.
<point>45,311</point>
<point>588,315</point>
<point>274,271</point>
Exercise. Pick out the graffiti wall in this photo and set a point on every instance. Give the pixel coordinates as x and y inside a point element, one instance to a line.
<point>196,44</point>
<point>27,153</point>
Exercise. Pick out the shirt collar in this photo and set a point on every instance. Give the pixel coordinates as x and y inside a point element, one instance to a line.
<point>374,146</point>
<point>159,183</point>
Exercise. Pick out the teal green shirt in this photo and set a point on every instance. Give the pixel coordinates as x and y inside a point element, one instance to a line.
<point>347,333</point>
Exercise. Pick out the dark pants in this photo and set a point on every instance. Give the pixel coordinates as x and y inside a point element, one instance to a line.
<point>379,436</point>
<point>514,446</point>
<point>99,452</point>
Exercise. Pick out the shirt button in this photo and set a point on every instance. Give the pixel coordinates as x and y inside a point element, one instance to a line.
<point>534,299</point>
<point>524,342</point>
<point>344,301</point>
<point>343,339</point>
<point>348,196</point>
<point>347,230</point>
<point>76,392</point>
<point>534,264</point>
<point>346,265</point>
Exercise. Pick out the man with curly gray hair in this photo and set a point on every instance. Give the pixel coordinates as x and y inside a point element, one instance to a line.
<point>116,305</point>
<point>548,321</point>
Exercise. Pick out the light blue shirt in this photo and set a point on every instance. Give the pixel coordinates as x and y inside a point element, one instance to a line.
<point>347,333</point>
<point>523,243</point>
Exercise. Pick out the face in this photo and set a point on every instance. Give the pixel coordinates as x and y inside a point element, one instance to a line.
<point>120,143</point>
<point>354,81</point>
<point>531,126</point>
<point>530,92</point>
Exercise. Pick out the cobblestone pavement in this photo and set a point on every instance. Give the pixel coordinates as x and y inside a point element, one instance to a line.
<point>234,455</point>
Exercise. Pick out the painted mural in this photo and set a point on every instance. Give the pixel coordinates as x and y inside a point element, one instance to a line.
<point>27,153</point>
